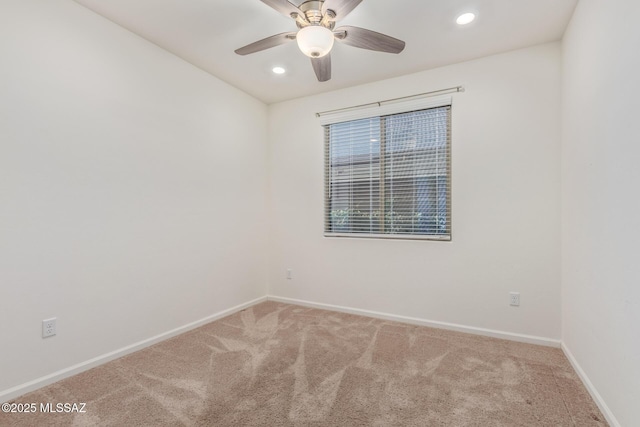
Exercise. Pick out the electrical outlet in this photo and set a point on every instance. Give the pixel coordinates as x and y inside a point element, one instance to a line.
<point>514,298</point>
<point>289,274</point>
<point>49,327</point>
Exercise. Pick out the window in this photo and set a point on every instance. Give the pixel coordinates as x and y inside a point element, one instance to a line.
<point>389,176</point>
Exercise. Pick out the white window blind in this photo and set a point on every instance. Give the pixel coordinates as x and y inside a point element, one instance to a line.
<point>389,175</point>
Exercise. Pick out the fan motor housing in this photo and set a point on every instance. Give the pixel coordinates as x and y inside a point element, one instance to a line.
<point>313,11</point>
<point>311,5</point>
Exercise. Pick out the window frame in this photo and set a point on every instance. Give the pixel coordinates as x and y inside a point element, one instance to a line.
<point>382,111</point>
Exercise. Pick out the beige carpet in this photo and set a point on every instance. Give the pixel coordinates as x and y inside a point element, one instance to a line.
<point>284,365</point>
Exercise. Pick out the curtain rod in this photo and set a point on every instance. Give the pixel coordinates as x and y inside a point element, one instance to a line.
<point>454,89</point>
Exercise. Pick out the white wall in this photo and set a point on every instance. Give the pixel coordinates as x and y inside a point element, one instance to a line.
<point>505,204</point>
<point>601,209</point>
<point>132,189</point>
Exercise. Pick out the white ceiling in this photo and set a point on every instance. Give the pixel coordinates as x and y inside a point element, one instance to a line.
<point>206,33</point>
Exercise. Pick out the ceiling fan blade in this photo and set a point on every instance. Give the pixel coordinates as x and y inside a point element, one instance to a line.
<point>285,8</point>
<point>267,43</point>
<point>367,39</point>
<point>340,7</point>
<point>322,67</point>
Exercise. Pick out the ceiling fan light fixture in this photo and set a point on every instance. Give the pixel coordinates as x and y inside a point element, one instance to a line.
<point>316,20</point>
<point>315,41</point>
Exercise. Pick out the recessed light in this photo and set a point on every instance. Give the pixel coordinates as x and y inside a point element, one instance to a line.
<point>466,18</point>
<point>278,70</point>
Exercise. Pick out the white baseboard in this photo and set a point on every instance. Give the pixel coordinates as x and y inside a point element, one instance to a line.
<point>530,339</point>
<point>27,387</point>
<point>611,419</point>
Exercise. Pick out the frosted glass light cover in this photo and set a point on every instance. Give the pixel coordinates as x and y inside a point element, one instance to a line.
<point>315,41</point>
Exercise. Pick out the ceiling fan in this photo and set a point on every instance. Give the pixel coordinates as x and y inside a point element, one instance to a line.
<point>316,20</point>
